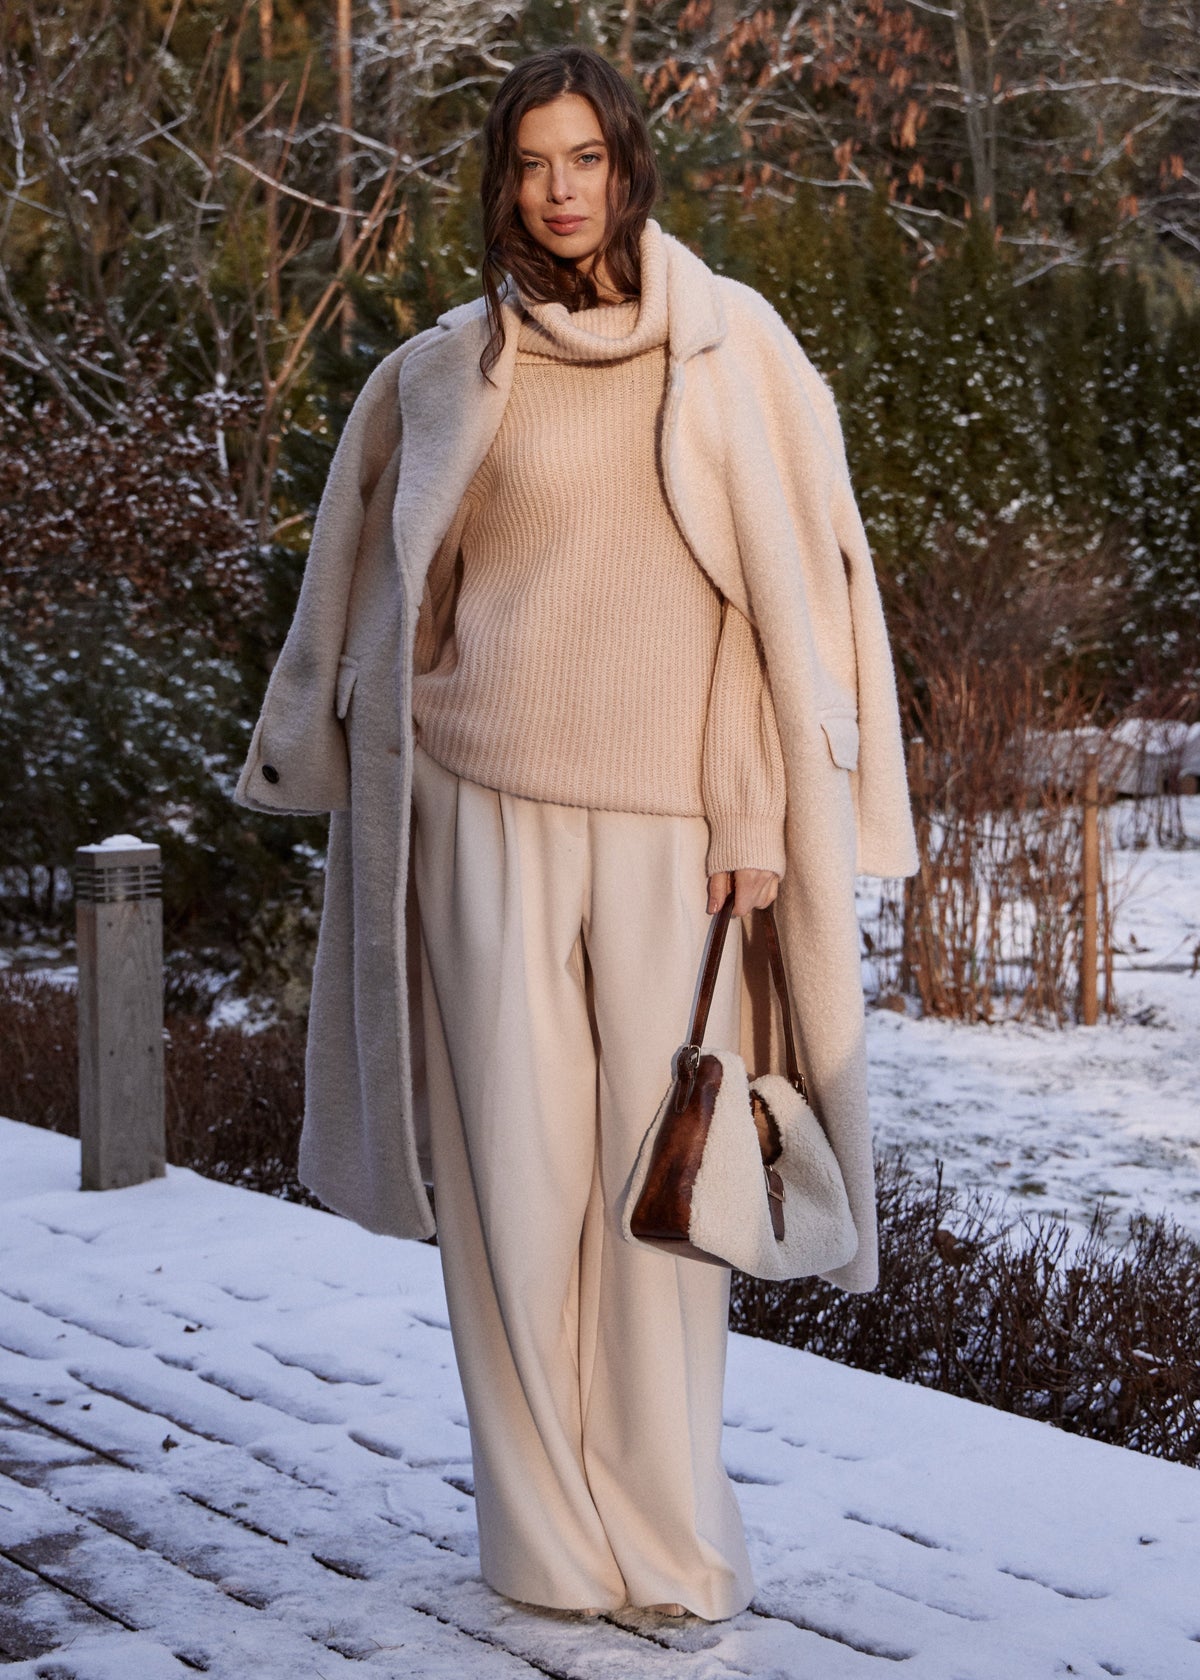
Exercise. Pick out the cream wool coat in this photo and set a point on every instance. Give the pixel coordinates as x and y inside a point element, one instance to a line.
<point>755,472</point>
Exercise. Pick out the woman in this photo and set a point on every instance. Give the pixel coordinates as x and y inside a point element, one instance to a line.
<point>588,634</point>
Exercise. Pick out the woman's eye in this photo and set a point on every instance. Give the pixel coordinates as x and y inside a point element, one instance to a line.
<point>583,156</point>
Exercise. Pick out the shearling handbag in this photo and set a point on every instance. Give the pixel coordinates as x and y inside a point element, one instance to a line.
<point>734,1170</point>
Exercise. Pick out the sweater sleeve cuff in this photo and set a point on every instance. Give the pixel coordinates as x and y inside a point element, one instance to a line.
<point>746,843</point>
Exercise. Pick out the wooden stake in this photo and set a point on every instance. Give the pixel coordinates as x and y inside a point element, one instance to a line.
<point>1088,990</point>
<point>908,937</point>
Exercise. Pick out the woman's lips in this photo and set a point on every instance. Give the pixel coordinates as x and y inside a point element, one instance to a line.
<point>564,224</point>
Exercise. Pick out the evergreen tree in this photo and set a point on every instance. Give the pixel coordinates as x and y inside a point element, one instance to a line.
<point>978,418</point>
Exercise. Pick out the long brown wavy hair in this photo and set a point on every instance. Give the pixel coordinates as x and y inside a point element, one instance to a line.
<point>633,186</point>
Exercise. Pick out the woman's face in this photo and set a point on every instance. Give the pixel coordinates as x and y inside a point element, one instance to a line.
<point>563,200</point>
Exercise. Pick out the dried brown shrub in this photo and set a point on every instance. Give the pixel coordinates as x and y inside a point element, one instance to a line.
<point>1097,1339</point>
<point>135,503</point>
<point>994,636</point>
<point>39,1067</point>
<point>234,1100</point>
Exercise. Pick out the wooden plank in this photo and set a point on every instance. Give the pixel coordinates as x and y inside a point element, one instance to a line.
<point>34,1616</point>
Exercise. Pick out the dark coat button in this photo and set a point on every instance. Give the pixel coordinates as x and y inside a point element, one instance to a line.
<point>270,773</point>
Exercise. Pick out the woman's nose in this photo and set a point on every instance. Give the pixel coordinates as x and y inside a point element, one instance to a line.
<point>560,187</point>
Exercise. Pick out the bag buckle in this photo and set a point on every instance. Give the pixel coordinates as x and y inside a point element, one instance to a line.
<point>687,1063</point>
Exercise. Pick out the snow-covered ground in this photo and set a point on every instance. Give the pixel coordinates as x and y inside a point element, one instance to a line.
<point>232,1441</point>
<point>1061,1120</point>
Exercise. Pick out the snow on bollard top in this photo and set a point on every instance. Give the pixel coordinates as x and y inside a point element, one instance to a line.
<point>117,850</point>
<point>119,843</point>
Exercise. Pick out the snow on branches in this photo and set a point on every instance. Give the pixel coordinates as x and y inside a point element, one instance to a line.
<point>135,506</point>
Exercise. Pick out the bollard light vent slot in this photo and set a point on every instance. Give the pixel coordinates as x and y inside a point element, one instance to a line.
<point>117,883</point>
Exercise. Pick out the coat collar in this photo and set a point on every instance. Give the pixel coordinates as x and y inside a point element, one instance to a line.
<point>450,413</point>
<point>695,314</point>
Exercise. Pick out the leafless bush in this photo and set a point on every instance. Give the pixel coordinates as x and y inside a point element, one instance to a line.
<point>203,174</point>
<point>234,1100</point>
<point>1097,1339</point>
<point>39,1069</point>
<point>131,508</point>
<point>993,639</point>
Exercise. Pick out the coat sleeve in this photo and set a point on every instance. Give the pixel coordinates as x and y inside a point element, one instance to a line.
<point>297,761</point>
<point>879,782</point>
<point>742,777</point>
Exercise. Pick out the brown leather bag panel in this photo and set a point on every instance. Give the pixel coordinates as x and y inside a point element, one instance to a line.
<point>664,1207</point>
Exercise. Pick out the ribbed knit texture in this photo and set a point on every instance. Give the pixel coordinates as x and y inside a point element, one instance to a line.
<point>570,648</point>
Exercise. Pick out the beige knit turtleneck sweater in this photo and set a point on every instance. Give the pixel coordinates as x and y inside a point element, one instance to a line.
<point>569,646</point>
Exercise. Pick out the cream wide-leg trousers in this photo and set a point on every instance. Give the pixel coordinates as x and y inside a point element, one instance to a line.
<point>562,946</point>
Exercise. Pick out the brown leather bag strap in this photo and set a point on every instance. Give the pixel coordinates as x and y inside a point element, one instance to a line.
<point>779,975</point>
<point>711,962</point>
<point>713,951</point>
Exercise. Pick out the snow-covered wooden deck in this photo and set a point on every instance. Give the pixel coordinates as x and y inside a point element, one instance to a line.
<point>232,1442</point>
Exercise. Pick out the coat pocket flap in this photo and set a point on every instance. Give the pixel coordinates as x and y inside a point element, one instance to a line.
<point>841,732</point>
<point>347,671</point>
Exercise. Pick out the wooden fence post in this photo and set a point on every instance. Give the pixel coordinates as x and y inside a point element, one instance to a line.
<point>118,923</point>
<point>1088,990</point>
<point>909,955</point>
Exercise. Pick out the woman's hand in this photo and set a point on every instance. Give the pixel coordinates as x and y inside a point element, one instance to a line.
<point>753,889</point>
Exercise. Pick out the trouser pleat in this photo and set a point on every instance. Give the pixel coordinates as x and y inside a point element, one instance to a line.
<point>561,946</point>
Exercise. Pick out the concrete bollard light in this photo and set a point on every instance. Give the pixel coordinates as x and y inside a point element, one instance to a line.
<point>118,922</point>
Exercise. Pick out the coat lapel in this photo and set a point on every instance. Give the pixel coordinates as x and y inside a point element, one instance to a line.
<point>449,414</point>
<point>694,445</point>
<point>695,318</point>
